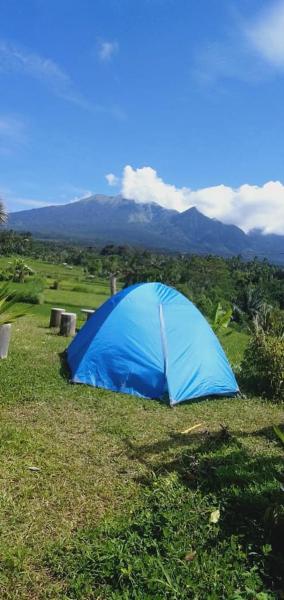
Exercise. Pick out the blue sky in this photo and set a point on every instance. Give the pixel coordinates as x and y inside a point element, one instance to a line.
<point>179,101</point>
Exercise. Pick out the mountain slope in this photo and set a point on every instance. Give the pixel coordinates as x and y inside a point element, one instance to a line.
<point>113,219</point>
<point>209,234</point>
<point>102,219</point>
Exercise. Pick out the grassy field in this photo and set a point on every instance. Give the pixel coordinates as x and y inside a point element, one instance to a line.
<point>119,506</point>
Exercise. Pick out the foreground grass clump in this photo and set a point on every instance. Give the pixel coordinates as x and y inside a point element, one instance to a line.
<point>172,546</point>
<point>198,532</point>
<point>263,366</point>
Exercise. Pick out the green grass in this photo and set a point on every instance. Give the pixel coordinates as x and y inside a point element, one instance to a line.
<point>234,344</point>
<point>121,494</point>
<point>167,548</point>
<point>55,271</point>
<point>75,291</point>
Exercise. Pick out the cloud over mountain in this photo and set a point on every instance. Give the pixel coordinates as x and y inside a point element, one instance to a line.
<point>248,206</point>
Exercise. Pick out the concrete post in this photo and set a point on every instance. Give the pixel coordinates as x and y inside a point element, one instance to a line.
<point>55,317</point>
<point>88,312</point>
<point>68,324</point>
<point>112,283</point>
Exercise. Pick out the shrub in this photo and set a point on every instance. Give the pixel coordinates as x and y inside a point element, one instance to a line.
<point>262,368</point>
<point>31,292</point>
<point>5,276</point>
<point>9,311</point>
<point>205,305</point>
<point>270,320</point>
<point>30,297</point>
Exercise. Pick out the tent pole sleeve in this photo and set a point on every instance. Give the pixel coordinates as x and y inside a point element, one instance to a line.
<point>164,346</point>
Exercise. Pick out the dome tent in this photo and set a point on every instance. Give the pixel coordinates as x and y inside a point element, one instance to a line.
<point>147,340</point>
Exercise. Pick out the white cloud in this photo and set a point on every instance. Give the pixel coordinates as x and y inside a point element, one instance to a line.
<point>106,50</point>
<point>81,196</point>
<point>31,203</point>
<point>144,185</point>
<point>251,50</point>
<point>10,127</point>
<point>15,59</point>
<point>112,179</point>
<point>64,192</point>
<point>15,202</point>
<point>266,34</point>
<point>249,206</point>
<point>12,134</point>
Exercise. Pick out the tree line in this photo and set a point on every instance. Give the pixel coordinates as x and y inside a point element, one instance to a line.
<point>249,287</point>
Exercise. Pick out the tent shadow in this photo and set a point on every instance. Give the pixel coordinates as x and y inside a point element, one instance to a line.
<point>269,433</point>
<point>64,367</point>
<point>165,401</point>
<point>194,444</point>
<point>210,398</point>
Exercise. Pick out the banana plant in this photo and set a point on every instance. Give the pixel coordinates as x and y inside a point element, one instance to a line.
<point>222,318</point>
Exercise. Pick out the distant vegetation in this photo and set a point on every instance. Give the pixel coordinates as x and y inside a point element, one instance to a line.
<point>253,289</point>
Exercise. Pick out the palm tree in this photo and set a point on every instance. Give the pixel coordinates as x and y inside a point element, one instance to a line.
<point>3,213</point>
<point>250,301</point>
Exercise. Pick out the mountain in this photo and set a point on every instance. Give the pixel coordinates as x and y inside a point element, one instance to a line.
<point>113,219</point>
<point>268,246</point>
<point>210,235</point>
<point>102,219</point>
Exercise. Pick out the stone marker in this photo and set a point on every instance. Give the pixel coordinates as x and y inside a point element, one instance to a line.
<point>112,283</point>
<point>5,334</point>
<point>88,312</point>
<point>68,324</point>
<point>55,317</point>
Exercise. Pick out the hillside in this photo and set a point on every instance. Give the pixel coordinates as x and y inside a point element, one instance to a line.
<point>113,219</point>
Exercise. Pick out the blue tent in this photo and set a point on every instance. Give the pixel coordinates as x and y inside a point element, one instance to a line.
<point>148,340</point>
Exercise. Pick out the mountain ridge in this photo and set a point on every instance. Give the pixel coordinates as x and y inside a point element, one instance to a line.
<point>114,219</point>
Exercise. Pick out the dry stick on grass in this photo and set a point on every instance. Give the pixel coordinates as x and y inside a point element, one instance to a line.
<point>192,428</point>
